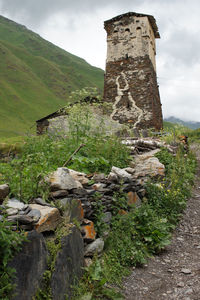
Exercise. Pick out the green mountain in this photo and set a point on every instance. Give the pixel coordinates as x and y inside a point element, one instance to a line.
<point>36,77</point>
<point>189,124</point>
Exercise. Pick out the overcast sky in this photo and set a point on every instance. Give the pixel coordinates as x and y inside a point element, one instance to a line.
<point>77,27</point>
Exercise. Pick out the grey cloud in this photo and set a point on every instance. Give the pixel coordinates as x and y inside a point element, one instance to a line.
<point>182,47</point>
<point>40,10</point>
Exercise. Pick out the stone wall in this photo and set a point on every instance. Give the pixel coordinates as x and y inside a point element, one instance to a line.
<point>79,197</point>
<point>131,85</point>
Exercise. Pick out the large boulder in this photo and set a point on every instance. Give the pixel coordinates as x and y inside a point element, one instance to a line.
<point>61,179</point>
<point>30,264</point>
<point>69,265</point>
<point>147,165</point>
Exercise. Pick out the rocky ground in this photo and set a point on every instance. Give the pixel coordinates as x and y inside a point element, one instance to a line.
<point>175,273</point>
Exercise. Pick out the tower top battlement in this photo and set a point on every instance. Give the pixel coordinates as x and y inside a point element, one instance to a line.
<point>151,19</point>
<point>131,35</point>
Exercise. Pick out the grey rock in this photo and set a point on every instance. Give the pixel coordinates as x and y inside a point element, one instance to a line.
<point>186,271</point>
<point>72,209</point>
<point>114,187</point>
<point>130,170</point>
<point>146,165</point>
<point>34,214</point>
<point>100,187</point>
<point>99,177</point>
<point>40,201</point>
<point>65,202</point>
<point>90,192</point>
<point>95,247</point>
<point>112,177</point>
<point>121,174</point>
<point>68,266</point>
<point>4,191</point>
<point>22,212</point>
<point>107,217</point>
<point>11,211</point>
<point>78,176</point>
<point>21,219</point>
<point>27,227</point>
<point>25,206</point>
<point>61,179</point>
<point>26,211</point>
<point>79,192</point>
<point>14,203</point>
<point>59,194</point>
<point>49,220</point>
<point>180,284</point>
<point>30,264</point>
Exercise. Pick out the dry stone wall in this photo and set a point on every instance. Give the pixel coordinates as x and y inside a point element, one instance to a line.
<point>77,196</point>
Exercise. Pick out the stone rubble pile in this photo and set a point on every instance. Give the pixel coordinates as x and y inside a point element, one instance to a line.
<point>75,195</point>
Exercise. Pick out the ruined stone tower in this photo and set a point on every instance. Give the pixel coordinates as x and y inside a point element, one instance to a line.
<point>130,79</point>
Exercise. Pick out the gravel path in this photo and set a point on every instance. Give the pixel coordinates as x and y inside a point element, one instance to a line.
<point>175,273</point>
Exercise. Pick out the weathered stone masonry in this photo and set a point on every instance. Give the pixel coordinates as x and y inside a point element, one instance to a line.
<point>130,79</point>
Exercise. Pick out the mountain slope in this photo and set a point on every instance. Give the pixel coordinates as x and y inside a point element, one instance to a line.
<point>189,124</point>
<point>36,77</point>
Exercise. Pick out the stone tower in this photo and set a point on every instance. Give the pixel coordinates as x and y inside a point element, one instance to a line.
<point>130,79</point>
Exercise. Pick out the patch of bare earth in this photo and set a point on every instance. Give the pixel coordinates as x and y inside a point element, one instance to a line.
<point>175,273</point>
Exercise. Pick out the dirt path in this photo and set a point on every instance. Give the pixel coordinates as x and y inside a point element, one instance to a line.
<point>175,273</point>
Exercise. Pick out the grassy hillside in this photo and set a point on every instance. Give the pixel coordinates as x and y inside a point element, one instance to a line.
<point>36,77</point>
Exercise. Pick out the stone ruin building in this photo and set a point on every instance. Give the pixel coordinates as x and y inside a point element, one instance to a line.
<point>130,79</point>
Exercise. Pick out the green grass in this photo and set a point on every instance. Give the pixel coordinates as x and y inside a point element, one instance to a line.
<point>36,78</point>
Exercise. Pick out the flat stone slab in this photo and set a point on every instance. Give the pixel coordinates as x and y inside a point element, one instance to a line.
<point>30,264</point>
<point>14,203</point>
<point>68,266</point>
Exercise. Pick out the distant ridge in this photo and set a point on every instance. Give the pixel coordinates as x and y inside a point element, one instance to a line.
<point>189,124</point>
<point>36,77</point>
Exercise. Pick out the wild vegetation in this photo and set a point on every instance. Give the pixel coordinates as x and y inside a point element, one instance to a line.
<point>144,231</point>
<point>134,236</point>
<point>36,77</point>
